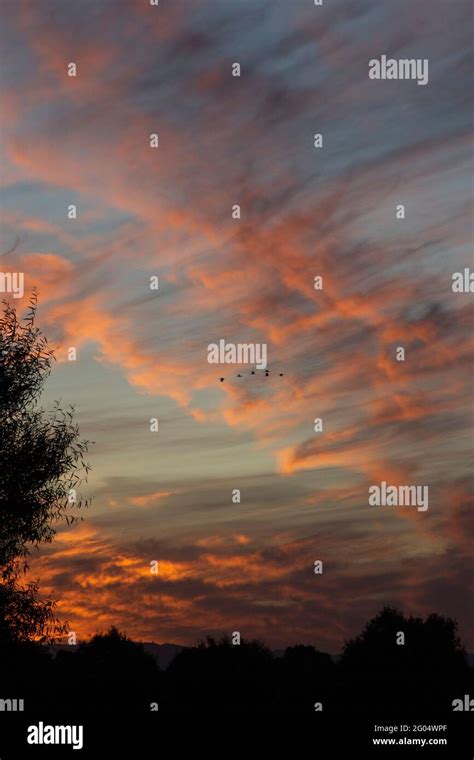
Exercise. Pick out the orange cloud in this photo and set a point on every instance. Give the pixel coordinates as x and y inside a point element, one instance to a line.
<point>150,498</point>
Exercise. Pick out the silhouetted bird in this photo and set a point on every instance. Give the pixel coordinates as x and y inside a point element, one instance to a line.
<point>252,372</point>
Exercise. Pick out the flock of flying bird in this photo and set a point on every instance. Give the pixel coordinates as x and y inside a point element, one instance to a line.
<point>252,372</point>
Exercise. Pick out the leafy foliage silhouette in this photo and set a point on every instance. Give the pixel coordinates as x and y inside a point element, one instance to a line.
<point>111,673</point>
<point>428,667</point>
<point>108,672</point>
<point>41,459</point>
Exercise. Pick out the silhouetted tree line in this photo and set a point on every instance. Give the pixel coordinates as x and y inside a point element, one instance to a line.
<point>374,675</point>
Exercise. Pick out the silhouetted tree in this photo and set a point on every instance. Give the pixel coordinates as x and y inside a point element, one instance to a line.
<point>404,664</point>
<point>429,644</point>
<point>41,459</point>
<point>220,676</point>
<point>109,673</point>
<point>22,613</point>
<point>305,676</point>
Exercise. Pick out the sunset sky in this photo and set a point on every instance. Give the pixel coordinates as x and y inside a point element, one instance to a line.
<point>305,211</point>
